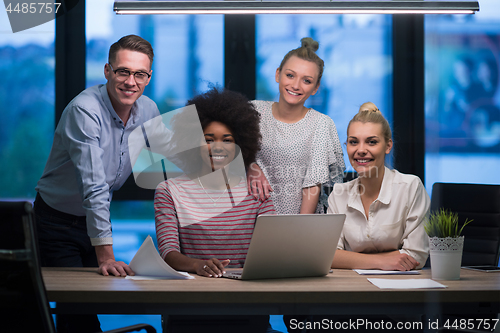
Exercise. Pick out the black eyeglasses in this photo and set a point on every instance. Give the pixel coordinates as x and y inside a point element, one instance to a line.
<point>123,74</point>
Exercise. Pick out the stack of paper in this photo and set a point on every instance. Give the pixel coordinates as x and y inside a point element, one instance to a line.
<point>406,283</point>
<point>148,265</point>
<point>381,272</point>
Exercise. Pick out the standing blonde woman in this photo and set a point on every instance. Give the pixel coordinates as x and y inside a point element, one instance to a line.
<point>301,150</point>
<point>385,209</point>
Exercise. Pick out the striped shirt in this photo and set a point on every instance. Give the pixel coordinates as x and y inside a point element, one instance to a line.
<point>204,223</point>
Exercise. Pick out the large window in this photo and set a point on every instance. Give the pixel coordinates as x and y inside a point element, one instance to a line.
<point>27,103</point>
<point>357,51</point>
<point>462,105</point>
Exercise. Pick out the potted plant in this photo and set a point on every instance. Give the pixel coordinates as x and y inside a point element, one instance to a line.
<point>445,244</point>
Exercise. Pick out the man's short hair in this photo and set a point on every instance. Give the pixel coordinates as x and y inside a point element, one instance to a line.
<point>132,43</point>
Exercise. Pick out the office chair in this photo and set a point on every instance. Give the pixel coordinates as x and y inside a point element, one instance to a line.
<point>24,305</point>
<point>480,203</point>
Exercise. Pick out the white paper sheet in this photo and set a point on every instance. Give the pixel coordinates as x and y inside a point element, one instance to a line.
<point>148,265</point>
<point>406,283</point>
<point>381,272</point>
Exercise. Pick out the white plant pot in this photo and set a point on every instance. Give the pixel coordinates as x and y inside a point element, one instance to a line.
<point>446,257</point>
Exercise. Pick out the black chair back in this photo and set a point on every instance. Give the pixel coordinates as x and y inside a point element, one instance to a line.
<point>24,306</point>
<point>480,203</point>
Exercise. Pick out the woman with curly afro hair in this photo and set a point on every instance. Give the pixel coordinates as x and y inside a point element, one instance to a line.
<point>205,217</point>
<point>221,106</point>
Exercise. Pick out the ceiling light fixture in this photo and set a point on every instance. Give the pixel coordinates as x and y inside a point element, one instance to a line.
<point>295,7</point>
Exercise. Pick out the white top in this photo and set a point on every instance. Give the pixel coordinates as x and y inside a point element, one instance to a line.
<point>299,155</point>
<point>395,220</point>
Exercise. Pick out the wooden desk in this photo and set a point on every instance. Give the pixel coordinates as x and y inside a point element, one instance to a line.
<point>82,290</point>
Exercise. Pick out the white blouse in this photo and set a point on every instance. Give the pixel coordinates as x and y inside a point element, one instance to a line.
<point>395,219</point>
<point>299,155</point>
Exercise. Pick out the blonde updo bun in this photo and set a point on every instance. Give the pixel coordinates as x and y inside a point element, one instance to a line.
<point>368,106</point>
<point>307,51</point>
<point>309,43</point>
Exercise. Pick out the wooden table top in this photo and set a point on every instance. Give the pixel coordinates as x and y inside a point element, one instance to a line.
<point>85,285</point>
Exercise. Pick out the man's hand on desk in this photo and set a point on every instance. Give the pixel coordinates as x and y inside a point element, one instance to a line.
<point>107,263</point>
<point>116,268</point>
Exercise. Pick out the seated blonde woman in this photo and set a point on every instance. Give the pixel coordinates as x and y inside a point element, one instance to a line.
<point>385,209</point>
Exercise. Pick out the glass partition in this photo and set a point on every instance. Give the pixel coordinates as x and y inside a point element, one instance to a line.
<point>462,103</point>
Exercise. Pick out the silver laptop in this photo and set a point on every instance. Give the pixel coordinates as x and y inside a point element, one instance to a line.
<point>285,246</point>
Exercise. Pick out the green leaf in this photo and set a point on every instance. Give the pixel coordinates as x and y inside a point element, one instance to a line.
<point>443,223</point>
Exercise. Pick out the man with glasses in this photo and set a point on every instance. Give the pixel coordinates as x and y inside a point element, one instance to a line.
<point>89,160</point>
